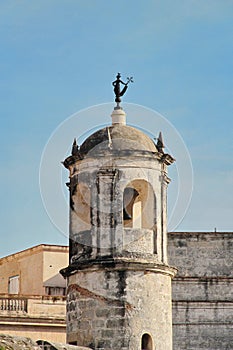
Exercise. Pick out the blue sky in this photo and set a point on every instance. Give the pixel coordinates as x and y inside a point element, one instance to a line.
<point>59,57</point>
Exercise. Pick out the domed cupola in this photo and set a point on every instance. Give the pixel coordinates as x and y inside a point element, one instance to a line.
<point>118,138</point>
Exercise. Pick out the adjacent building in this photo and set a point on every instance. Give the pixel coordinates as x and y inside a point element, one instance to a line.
<point>32,293</point>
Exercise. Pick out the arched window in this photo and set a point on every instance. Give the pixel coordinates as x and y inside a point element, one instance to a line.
<point>146,343</point>
<point>139,205</point>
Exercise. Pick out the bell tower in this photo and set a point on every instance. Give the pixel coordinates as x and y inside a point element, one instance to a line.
<point>119,282</point>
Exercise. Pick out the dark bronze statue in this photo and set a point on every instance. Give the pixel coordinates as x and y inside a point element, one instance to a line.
<point>117,87</point>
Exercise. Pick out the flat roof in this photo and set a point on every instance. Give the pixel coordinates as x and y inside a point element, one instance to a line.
<point>36,249</point>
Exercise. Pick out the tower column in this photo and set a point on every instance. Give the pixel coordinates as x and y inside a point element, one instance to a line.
<point>105,211</point>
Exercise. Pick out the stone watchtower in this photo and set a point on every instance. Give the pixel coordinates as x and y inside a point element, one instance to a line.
<point>119,283</point>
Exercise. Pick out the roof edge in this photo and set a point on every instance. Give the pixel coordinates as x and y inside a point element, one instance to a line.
<point>36,249</point>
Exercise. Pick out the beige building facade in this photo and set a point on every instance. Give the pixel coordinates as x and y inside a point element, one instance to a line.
<point>32,293</point>
<point>34,271</point>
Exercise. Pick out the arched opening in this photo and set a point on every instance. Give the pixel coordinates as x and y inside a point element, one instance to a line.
<point>139,205</point>
<point>146,343</point>
<point>130,203</point>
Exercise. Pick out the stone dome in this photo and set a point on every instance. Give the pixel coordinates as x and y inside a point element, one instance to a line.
<point>118,137</point>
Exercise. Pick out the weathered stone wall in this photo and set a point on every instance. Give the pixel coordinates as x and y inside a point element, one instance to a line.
<point>138,240</point>
<point>107,186</point>
<point>113,309</point>
<point>202,290</point>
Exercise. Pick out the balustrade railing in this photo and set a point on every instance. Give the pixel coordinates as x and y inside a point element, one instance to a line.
<point>13,304</point>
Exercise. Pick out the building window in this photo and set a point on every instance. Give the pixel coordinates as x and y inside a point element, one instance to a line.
<point>13,285</point>
<point>55,291</point>
<point>146,342</point>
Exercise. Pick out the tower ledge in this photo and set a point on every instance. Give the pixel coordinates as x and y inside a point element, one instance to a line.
<point>146,264</point>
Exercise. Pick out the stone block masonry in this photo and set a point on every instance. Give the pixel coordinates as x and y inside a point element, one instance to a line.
<point>202,291</point>
<point>112,309</point>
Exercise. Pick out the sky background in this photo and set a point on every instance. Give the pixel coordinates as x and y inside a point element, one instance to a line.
<point>59,57</point>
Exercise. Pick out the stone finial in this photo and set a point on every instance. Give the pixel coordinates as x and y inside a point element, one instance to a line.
<point>75,148</point>
<point>160,143</point>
